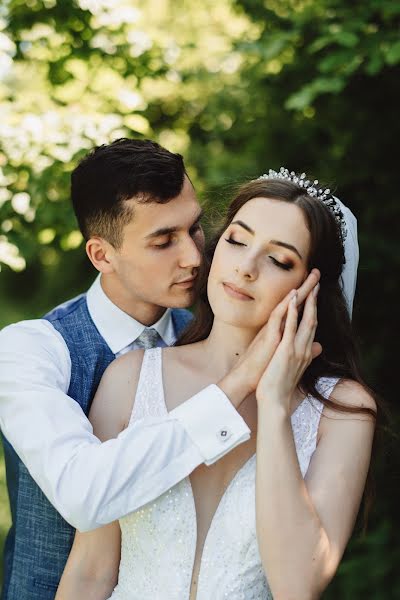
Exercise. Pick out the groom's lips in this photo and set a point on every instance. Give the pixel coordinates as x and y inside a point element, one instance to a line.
<point>186,283</point>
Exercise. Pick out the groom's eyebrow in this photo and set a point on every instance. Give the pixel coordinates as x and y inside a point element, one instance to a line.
<point>274,242</point>
<point>168,230</point>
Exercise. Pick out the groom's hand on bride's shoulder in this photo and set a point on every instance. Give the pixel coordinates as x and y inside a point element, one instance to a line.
<point>244,377</point>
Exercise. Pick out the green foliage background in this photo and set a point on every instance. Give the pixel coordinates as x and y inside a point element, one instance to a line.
<point>237,87</point>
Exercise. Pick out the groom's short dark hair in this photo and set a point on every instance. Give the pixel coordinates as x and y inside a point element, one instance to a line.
<point>113,173</point>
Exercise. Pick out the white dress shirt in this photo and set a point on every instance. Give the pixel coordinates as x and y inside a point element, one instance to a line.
<point>119,330</point>
<point>92,483</point>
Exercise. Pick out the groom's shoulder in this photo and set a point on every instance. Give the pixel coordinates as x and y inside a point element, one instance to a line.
<point>32,338</point>
<point>40,333</point>
<point>66,309</point>
<point>182,317</point>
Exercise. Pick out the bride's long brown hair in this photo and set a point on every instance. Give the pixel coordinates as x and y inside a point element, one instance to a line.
<point>339,356</point>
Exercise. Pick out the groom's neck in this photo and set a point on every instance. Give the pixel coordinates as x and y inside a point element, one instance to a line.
<point>131,303</point>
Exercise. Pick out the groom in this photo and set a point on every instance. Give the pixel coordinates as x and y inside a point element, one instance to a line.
<point>138,212</point>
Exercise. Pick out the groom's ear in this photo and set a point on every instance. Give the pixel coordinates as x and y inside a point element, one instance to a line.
<point>100,253</point>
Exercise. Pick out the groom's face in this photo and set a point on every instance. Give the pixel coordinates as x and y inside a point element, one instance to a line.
<point>161,252</point>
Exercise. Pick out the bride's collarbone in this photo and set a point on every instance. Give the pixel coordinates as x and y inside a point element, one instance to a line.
<point>186,372</point>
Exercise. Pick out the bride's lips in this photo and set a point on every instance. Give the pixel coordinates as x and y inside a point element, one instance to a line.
<point>236,292</point>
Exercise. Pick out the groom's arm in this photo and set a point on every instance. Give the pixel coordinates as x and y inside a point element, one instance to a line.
<point>92,483</point>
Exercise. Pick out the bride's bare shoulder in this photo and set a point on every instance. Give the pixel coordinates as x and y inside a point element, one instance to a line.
<point>352,395</point>
<point>126,366</point>
<point>181,356</point>
<point>113,402</point>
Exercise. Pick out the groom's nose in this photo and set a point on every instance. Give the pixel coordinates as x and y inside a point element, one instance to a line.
<point>191,253</point>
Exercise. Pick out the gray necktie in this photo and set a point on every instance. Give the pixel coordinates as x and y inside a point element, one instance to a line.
<point>149,338</point>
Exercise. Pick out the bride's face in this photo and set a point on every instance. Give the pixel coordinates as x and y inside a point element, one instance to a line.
<point>260,257</point>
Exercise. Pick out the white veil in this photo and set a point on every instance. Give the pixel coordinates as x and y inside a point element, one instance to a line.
<point>351,252</point>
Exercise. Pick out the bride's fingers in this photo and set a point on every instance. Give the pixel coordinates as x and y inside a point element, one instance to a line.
<point>315,315</point>
<point>278,315</point>
<point>308,324</point>
<point>291,322</point>
<point>308,285</point>
<point>310,343</point>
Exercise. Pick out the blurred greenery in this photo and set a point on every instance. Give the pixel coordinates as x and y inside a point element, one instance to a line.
<point>237,86</point>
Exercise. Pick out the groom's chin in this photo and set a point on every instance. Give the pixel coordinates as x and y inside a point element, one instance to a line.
<point>182,298</point>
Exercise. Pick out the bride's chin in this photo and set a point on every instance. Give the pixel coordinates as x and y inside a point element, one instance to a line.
<point>240,314</point>
<point>234,319</point>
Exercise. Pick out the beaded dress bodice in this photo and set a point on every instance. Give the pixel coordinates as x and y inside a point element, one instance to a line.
<point>159,540</point>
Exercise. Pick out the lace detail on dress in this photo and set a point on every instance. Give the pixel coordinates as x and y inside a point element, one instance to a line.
<point>159,540</point>
<point>305,422</point>
<point>149,399</point>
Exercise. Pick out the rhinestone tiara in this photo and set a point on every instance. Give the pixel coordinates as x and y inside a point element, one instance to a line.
<point>313,189</point>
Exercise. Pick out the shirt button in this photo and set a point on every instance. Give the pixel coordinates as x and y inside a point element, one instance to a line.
<point>224,434</point>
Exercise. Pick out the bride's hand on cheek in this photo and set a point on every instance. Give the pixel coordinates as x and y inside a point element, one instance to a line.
<point>251,366</point>
<point>292,356</point>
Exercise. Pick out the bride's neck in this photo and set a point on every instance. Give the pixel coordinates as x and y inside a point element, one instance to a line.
<point>225,345</point>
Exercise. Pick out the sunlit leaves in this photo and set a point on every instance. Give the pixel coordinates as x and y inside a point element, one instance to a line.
<point>393,53</point>
<point>88,71</point>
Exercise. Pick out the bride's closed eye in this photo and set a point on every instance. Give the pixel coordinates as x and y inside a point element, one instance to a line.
<point>230,240</point>
<point>284,266</point>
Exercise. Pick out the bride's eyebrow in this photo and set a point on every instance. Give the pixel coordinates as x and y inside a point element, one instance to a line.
<point>288,246</point>
<point>246,227</point>
<point>274,242</point>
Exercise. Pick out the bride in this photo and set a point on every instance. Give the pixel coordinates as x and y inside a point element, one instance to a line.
<point>271,518</point>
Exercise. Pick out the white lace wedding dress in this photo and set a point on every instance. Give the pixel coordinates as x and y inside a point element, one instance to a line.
<point>159,540</point>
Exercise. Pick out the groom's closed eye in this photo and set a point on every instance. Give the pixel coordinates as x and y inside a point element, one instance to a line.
<point>161,246</point>
<point>192,231</point>
<point>171,232</point>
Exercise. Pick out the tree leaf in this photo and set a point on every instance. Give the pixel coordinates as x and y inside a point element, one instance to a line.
<point>347,38</point>
<point>393,54</point>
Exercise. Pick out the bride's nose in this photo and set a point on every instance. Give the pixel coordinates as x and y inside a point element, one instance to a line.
<point>247,269</point>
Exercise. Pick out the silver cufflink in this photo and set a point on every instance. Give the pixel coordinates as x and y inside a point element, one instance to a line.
<point>224,434</point>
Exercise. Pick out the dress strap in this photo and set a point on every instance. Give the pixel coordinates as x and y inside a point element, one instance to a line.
<point>305,422</point>
<point>149,399</point>
<point>325,386</point>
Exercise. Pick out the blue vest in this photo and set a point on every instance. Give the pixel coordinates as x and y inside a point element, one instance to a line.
<point>39,541</point>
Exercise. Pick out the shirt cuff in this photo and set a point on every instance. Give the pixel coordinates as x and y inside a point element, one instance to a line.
<point>212,423</point>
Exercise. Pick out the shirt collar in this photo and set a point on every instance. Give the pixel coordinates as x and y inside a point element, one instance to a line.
<point>117,327</point>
